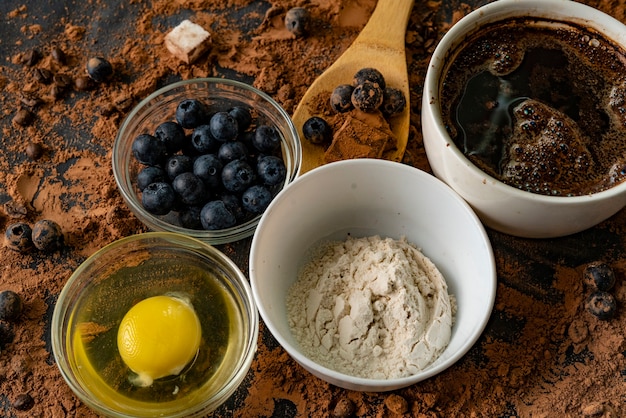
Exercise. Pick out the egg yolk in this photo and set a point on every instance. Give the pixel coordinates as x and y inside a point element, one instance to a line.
<point>158,337</point>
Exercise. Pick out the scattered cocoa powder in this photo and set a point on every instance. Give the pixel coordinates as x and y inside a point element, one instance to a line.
<point>541,354</point>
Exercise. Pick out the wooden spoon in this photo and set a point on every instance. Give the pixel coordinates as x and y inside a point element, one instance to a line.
<point>380,45</point>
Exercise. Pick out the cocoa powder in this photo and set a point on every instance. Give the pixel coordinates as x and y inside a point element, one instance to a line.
<point>541,354</point>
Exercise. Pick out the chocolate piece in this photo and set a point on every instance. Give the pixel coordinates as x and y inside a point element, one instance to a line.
<point>357,139</point>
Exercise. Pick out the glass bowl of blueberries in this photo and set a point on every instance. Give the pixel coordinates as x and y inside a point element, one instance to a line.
<point>205,157</point>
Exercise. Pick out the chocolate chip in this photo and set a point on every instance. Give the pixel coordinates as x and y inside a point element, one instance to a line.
<point>23,402</point>
<point>108,109</point>
<point>23,117</point>
<point>31,57</point>
<point>123,103</point>
<point>56,91</point>
<point>58,55</point>
<point>34,150</point>
<point>43,75</point>
<point>30,101</point>
<point>62,80</point>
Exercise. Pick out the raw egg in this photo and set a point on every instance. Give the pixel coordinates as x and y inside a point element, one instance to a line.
<point>158,337</point>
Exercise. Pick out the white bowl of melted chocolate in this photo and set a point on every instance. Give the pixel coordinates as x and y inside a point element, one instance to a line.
<point>524,115</point>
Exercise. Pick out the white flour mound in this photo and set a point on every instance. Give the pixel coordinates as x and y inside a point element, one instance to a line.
<point>371,307</point>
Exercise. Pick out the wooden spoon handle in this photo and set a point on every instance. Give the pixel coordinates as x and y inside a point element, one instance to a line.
<point>387,25</point>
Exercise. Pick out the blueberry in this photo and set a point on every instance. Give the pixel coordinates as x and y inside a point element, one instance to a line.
<point>150,174</point>
<point>243,117</point>
<point>191,113</point>
<point>47,235</point>
<point>297,21</point>
<point>189,149</point>
<point>599,275</point>
<point>209,169</point>
<point>158,198</point>
<point>317,131</point>
<point>172,135</point>
<point>394,102</point>
<point>256,199</point>
<point>99,69</point>
<point>215,215</point>
<point>266,139</point>
<point>58,55</point>
<point>233,204</point>
<point>232,150</point>
<point>190,217</point>
<point>369,74</point>
<point>247,138</point>
<point>237,176</point>
<point>224,126</point>
<point>271,170</point>
<point>11,305</point>
<point>203,140</point>
<point>19,237</point>
<point>341,98</point>
<point>178,164</point>
<point>601,304</point>
<point>190,188</point>
<point>367,97</point>
<point>148,149</point>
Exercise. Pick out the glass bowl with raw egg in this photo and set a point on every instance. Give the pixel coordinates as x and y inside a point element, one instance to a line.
<point>155,324</point>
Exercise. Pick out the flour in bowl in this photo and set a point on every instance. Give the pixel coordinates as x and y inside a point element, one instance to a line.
<point>371,307</point>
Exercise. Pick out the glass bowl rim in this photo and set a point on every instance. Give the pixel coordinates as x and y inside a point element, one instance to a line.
<point>222,236</point>
<point>246,305</point>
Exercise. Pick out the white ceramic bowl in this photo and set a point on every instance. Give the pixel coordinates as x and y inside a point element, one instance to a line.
<point>502,207</point>
<point>367,197</point>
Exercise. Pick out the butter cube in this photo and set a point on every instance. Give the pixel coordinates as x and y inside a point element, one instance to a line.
<point>188,41</point>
